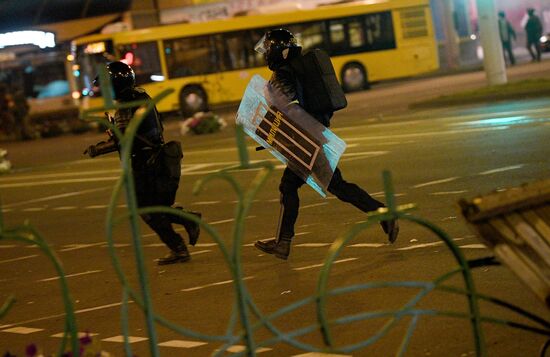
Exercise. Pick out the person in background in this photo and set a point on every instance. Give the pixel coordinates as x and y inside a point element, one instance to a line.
<point>533,28</point>
<point>21,115</point>
<point>7,104</point>
<point>507,34</point>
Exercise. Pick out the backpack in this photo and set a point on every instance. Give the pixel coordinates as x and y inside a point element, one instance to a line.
<point>321,92</point>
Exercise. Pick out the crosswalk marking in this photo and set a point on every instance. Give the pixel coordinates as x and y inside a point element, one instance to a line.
<point>22,330</point>
<point>120,338</point>
<point>239,348</point>
<point>182,344</point>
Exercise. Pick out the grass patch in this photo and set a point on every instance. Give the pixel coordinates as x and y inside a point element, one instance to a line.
<point>527,89</point>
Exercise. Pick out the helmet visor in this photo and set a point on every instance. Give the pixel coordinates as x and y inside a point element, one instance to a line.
<point>260,46</point>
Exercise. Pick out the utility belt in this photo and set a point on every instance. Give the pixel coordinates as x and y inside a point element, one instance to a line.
<point>163,159</point>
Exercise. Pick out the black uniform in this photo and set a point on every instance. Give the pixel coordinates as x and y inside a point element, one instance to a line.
<point>153,186</point>
<point>156,182</point>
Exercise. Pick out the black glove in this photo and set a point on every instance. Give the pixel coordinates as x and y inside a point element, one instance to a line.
<point>90,151</point>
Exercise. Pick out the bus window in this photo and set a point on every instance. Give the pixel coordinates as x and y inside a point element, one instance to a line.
<point>144,58</point>
<point>380,35</point>
<point>356,34</point>
<point>338,43</point>
<point>238,53</point>
<point>49,80</point>
<point>190,56</point>
<point>310,35</point>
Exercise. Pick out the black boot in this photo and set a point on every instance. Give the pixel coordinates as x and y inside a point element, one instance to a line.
<point>193,229</point>
<point>391,228</point>
<point>179,255</point>
<point>280,248</point>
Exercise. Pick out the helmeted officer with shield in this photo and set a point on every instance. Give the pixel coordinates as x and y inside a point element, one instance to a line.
<point>282,53</point>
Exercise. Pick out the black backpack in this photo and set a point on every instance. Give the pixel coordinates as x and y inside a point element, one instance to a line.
<point>321,92</point>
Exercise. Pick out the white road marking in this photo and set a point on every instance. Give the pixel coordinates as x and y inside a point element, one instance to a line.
<point>443,193</point>
<point>474,246</point>
<point>20,258</point>
<point>71,275</point>
<point>55,197</point>
<point>117,304</point>
<point>64,208</point>
<point>320,265</point>
<point>222,221</point>
<point>430,183</point>
<point>33,209</point>
<point>57,182</point>
<point>424,245</point>
<point>96,207</point>
<point>120,338</point>
<point>181,344</point>
<point>206,203</point>
<point>313,245</point>
<point>364,153</point>
<point>228,220</point>
<point>501,169</point>
<point>319,354</point>
<point>214,284</point>
<point>425,134</point>
<point>200,252</point>
<point>314,205</point>
<point>22,330</point>
<point>367,245</point>
<point>118,245</point>
<point>77,246</point>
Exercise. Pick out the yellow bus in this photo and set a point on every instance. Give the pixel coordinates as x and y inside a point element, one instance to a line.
<point>211,63</point>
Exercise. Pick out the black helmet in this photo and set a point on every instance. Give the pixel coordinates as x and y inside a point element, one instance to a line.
<point>277,46</point>
<point>122,77</point>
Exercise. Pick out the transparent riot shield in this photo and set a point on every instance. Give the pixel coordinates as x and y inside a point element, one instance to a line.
<point>293,136</point>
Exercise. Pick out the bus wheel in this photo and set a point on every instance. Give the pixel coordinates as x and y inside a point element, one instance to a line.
<point>193,100</point>
<point>354,77</point>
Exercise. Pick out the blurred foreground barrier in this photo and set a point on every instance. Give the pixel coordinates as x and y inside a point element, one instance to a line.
<point>515,224</point>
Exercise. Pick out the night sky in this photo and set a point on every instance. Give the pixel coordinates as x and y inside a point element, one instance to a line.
<point>21,14</point>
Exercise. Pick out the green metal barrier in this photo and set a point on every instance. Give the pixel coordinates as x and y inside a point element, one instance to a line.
<point>241,327</point>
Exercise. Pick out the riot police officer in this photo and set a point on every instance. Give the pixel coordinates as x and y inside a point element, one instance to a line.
<point>279,48</point>
<point>155,185</point>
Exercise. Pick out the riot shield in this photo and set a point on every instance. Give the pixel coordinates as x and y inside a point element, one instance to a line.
<point>294,137</point>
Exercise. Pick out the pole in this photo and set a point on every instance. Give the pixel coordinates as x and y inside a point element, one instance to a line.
<point>493,58</point>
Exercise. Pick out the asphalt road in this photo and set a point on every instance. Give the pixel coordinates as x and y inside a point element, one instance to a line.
<point>436,158</point>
